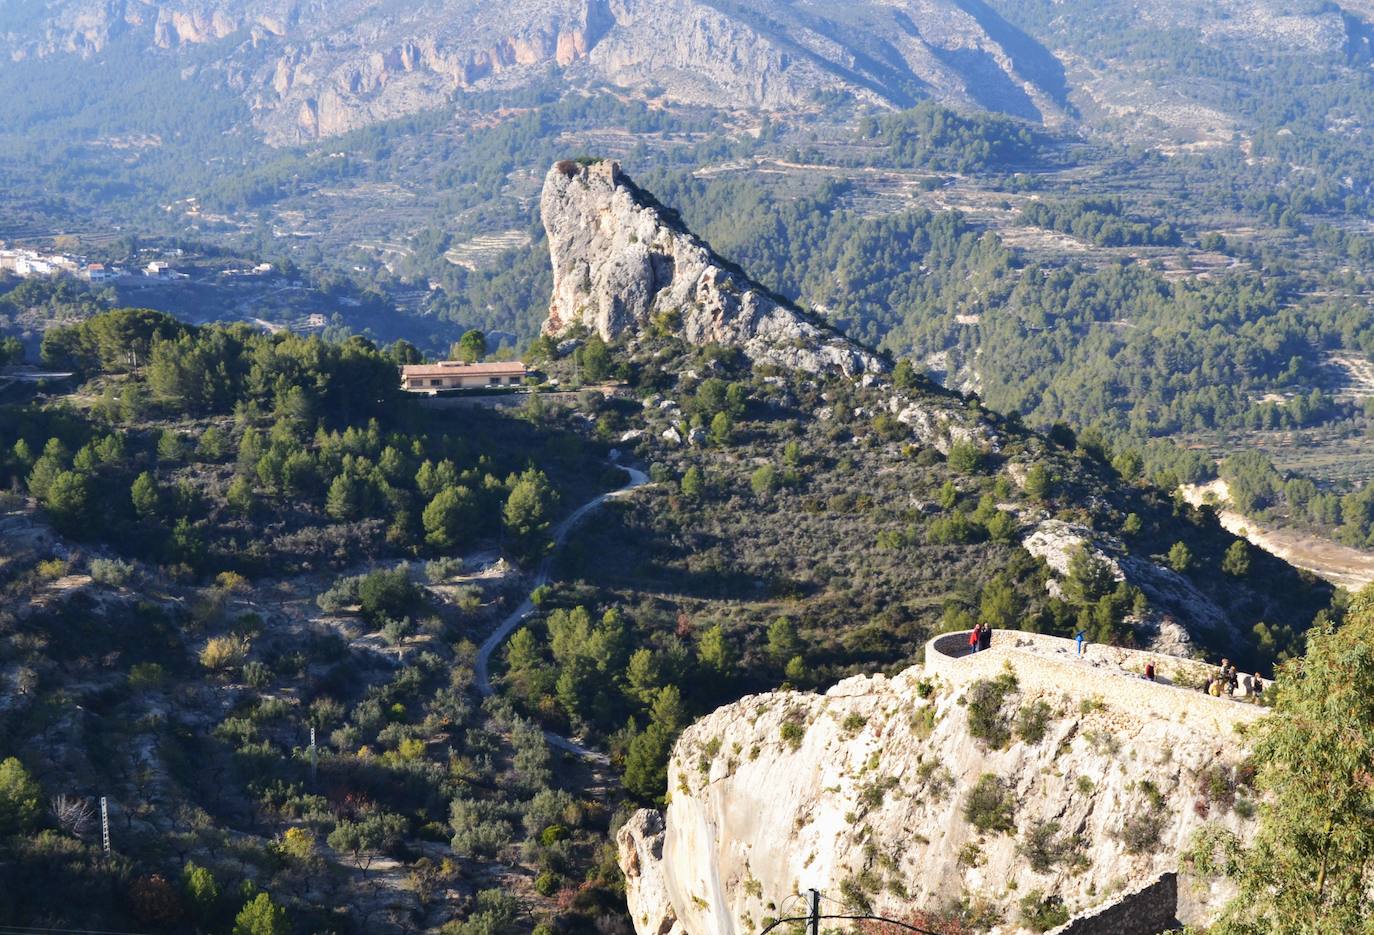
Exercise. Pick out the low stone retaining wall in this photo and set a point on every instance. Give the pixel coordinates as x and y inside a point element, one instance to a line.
<point>1150,910</point>
<point>1107,674</point>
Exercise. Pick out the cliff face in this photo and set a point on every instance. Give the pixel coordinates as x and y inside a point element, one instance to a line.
<point>621,263</point>
<point>312,68</point>
<point>864,793</point>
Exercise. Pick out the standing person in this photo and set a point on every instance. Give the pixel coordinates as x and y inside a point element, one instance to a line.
<point>1081,636</point>
<point>975,637</point>
<point>985,638</point>
<point>1150,671</point>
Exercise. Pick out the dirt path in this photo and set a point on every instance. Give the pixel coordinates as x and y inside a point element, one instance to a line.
<point>1341,565</point>
<point>541,577</point>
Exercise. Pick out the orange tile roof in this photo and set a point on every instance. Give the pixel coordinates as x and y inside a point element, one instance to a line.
<point>453,368</point>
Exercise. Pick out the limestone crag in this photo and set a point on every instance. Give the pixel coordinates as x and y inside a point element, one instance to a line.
<point>864,793</point>
<point>622,263</point>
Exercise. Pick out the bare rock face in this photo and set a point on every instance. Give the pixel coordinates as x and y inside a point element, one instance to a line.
<point>321,67</point>
<point>865,792</point>
<point>314,68</point>
<point>622,263</point>
<point>640,842</point>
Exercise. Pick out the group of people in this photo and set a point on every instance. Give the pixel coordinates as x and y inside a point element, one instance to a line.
<point>979,638</point>
<point>1227,680</point>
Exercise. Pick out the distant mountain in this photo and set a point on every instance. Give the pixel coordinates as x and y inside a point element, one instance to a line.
<point>310,69</point>
<point>315,69</point>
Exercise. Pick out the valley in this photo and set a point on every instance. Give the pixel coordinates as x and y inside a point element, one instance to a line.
<point>835,333</point>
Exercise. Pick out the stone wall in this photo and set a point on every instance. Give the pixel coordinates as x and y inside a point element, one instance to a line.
<point>1150,910</point>
<point>1049,663</point>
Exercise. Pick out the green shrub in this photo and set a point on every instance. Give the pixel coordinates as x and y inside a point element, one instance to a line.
<point>1043,846</point>
<point>111,571</point>
<point>1140,832</point>
<point>1032,721</point>
<point>990,805</point>
<point>1041,913</point>
<point>439,570</point>
<point>987,721</point>
<point>793,730</point>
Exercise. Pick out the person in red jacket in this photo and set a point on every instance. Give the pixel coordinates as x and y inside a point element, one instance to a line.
<point>975,638</point>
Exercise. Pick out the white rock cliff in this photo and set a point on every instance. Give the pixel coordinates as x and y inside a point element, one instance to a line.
<point>863,793</point>
<point>621,263</point>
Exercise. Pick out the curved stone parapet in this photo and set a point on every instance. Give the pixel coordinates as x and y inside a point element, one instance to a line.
<point>1110,675</point>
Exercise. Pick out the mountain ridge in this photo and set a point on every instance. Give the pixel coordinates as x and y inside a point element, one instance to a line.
<point>312,70</point>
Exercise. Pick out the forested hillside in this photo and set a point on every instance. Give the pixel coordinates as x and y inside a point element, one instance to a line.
<point>225,539</point>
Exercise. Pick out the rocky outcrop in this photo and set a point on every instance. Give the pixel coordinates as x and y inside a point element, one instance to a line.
<point>942,423</point>
<point>1173,595</point>
<point>622,263</point>
<point>865,793</point>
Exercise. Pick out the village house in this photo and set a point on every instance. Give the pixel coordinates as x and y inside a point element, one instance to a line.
<point>454,375</point>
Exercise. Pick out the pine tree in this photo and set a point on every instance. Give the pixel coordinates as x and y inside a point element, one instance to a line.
<point>643,676</point>
<point>344,500</point>
<point>1180,557</point>
<point>714,652</point>
<point>201,891</point>
<point>68,501</point>
<point>692,482</point>
<point>1089,578</point>
<point>646,762</point>
<point>1236,561</point>
<point>1038,482</point>
<point>146,497</point>
<point>722,429</point>
<point>169,447</point>
<point>526,514</point>
<point>447,517</point>
<point>470,348</point>
<point>783,643</point>
<point>20,798</point>
<point>261,916</point>
<point>595,358</point>
<point>1000,607</point>
<point>240,496</point>
<point>1306,869</point>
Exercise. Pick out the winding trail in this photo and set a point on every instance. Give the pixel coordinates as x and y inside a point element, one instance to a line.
<point>541,577</point>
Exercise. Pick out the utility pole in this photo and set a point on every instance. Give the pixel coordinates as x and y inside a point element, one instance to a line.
<point>813,922</point>
<point>105,824</point>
